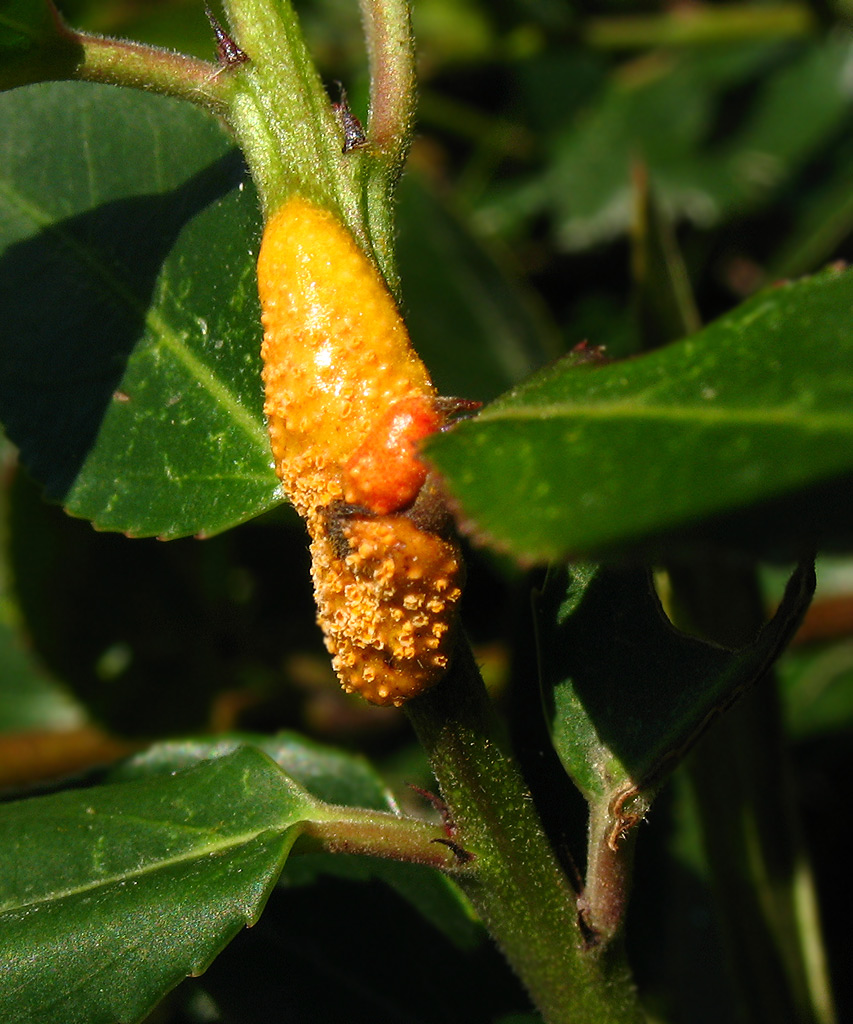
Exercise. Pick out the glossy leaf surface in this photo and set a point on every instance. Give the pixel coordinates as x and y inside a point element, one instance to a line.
<point>335,777</point>
<point>326,773</point>
<point>580,458</point>
<point>131,374</point>
<point>625,693</point>
<point>110,896</point>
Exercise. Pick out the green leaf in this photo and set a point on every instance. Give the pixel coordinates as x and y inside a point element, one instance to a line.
<point>147,635</point>
<point>130,341</point>
<point>335,777</point>
<point>757,405</point>
<point>330,775</point>
<point>33,46</point>
<point>739,121</point>
<point>29,699</point>
<point>354,950</point>
<point>626,694</point>
<point>110,896</point>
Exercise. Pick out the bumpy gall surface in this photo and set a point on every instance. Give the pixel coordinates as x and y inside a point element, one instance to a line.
<point>336,353</point>
<point>347,401</point>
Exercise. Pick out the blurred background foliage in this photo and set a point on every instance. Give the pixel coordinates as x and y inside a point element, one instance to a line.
<point>519,230</point>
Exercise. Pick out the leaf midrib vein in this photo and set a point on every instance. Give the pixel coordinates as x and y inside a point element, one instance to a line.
<point>222,395</point>
<point>777,416</point>
<point>195,854</point>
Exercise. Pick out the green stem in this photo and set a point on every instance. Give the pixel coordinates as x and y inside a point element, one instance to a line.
<point>741,776</point>
<point>391,56</point>
<point>390,127</point>
<point>294,140</point>
<point>79,56</point>
<point>517,885</point>
<point>352,830</point>
<point>282,114</point>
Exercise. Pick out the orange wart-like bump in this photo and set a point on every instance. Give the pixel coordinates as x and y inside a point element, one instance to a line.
<point>347,402</point>
<point>385,474</point>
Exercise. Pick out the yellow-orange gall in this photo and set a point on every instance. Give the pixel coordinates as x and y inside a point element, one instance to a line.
<point>347,401</point>
<point>377,583</point>
<point>385,474</point>
<point>336,353</point>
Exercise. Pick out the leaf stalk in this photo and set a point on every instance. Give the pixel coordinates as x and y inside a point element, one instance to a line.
<point>68,55</point>
<point>373,833</point>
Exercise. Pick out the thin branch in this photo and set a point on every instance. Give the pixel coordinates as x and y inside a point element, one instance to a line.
<point>68,55</point>
<point>378,834</point>
<point>121,62</point>
<point>391,55</point>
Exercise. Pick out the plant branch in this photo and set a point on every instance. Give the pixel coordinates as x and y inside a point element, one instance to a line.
<point>609,867</point>
<point>283,116</point>
<point>391,55</point>
<point>120,62</point>
<point>351,830</point>
<point>517,885</point>
<point>81,56</point>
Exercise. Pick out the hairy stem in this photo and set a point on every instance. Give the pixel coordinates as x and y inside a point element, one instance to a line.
<point>351,830</point>
<point>70,55</point>
<point>281,113</point>
<point>391,54</point>
<point>517,885</point>
<point>608,875</point>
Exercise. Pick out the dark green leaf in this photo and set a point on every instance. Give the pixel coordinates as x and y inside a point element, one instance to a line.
<point>757,405</point>
<point>147,635</point>
<point>721,129</point>
<point>130,324</point>
<point>326,773</point>
<point>626,694</point>
<point>110,896</point>
<point>339,778</point>
<point>435,896</point>
<point>822,218</point>
<point>348,950</point>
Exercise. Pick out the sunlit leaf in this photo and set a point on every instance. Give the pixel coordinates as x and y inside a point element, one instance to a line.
<point>110,896</point>
<point>580,458</point>
<point>336,777</point>
<point>130,337</point>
